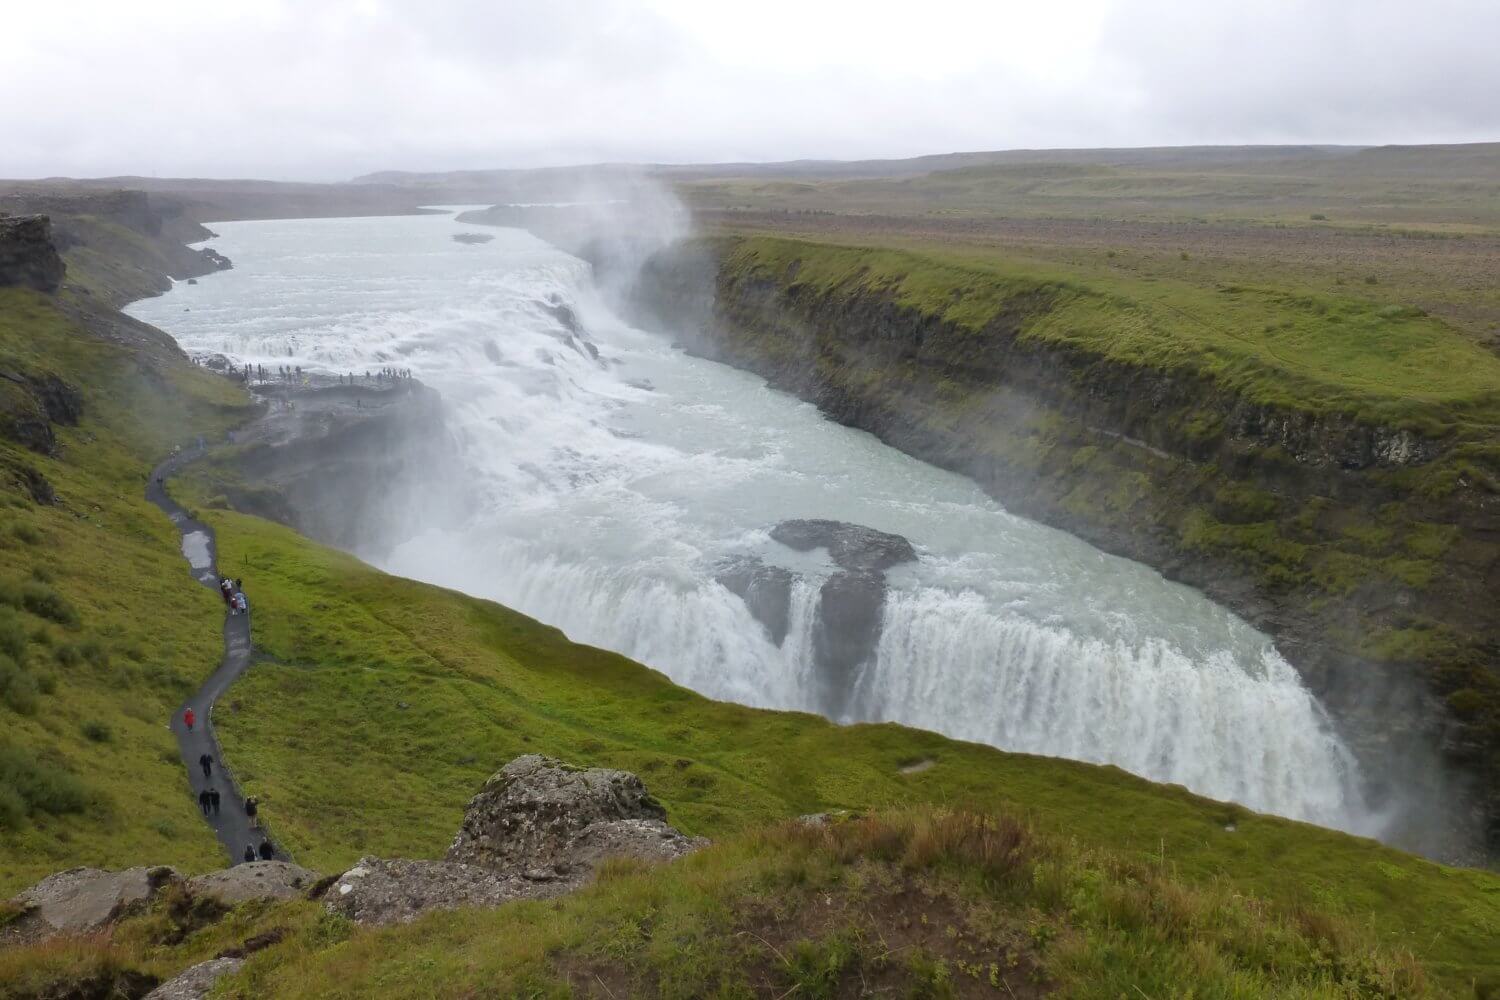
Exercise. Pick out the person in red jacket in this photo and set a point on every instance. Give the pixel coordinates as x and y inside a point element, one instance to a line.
<point>189,717</point>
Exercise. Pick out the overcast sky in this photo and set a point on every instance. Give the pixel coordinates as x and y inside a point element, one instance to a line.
<point>328,89</point>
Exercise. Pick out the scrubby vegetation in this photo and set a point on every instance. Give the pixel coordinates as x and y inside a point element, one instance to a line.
<point>915,902</point>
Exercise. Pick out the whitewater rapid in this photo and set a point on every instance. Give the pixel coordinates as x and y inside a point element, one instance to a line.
<point>612,490</point>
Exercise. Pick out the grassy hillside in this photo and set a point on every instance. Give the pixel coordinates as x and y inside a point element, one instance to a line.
<point>101,629</point>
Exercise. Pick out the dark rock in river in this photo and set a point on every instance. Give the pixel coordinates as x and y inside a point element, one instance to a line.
<point>766,591</point>
<point>852,546</point>
<point>851,603</point>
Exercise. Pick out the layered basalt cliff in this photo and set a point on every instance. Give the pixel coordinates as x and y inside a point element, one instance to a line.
<point>28,256</point>
<point>129,246</point>
<point>1369,551</point>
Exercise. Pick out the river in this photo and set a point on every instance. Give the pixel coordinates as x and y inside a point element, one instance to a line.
<point>612,491</point>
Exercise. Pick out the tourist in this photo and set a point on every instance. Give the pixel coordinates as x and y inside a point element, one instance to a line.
<point>203,801</point>
<point>267,852</point>
<point>188,718</point>
<point>249,852</point>
<point>251,809</point>
<point>207,763</point>
<point>213,799</point>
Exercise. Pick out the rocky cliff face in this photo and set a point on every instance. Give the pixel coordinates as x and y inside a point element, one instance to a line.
<point>133,245</point>
<point>354,467</point>
<point>28,257</point>
<point>1259,507</point>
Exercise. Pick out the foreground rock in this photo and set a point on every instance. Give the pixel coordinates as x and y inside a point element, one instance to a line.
<point>81,900</point>
<point>197,982</point>
<point>546,818</point>
<point>538,829</point>
<point>254,880</point>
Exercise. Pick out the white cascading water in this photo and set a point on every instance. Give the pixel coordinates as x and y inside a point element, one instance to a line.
<point>611,492</point>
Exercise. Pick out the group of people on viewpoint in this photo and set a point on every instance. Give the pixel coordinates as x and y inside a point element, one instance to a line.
<point>379,375</point>
<point>209,798</point>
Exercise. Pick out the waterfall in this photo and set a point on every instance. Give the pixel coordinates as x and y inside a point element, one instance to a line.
<point>616,475</point>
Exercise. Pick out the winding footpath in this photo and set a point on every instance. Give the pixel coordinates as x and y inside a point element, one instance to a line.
<point>230,824</point>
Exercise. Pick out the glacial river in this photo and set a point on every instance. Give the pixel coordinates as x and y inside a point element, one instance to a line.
<point>611,492</point>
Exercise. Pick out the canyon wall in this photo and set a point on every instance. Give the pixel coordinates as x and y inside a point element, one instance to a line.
<point>1371,554</point>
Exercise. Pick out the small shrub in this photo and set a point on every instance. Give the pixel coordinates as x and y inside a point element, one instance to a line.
<point>95,652</point>
<point>26,533</point>
<point>1370,279</point>
<point>96,732</point>
<point>67,655</point>
<point>42,787</point>
<point>41,574</point>
<point>44,602</point>
<point>18,689</point>
<point>13,811</point>
<point>1318,217</point>
<point>12,635</point>
<point>1184,255</point>
<point>46,683</point>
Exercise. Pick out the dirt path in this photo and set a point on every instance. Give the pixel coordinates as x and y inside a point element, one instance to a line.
<point>230,824</point>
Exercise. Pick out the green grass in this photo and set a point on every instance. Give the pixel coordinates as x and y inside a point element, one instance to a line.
<point>1382,364</point>
<point>918,902</point>
<point>102,631</point>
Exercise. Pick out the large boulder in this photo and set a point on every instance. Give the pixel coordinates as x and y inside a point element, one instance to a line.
<point>196,982</point>
<point>545,819</point>
<point>538,829</point>
<point>254,880</point>
<point>81,900</point>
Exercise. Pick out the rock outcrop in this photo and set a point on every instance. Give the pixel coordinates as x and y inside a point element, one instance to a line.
<point>548,820</point>
<point>28,256</point>
<point>254,880</point>
<point>539,828</point>
<point>196,982</point>
<point>379,891</point>
<point>31,403</point>
<point>81,900</point>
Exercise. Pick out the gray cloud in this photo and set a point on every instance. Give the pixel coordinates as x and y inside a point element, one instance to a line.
<point>327,90</point>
